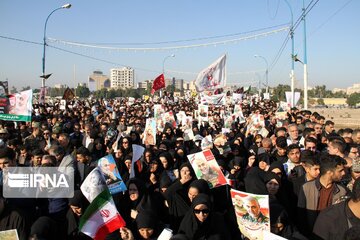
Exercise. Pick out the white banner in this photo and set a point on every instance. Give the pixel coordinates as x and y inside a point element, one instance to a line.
<point>212,77</point>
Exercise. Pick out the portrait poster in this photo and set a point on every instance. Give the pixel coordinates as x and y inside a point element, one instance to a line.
<point>9,235</point>
<point>187,122</point>
<point>17,107</point>
<point>238,112</point>
<point>150,132</point>
<point>168,117</point>
<point>111,173</point>
<point>93,184</point>
<point>207,142</point>
<point>159,110</point>
<point>252,214</point>
<point>62,105</point>
<point>229,121</point>
<point>206,167</point>
<point>180,116</point>
<point>42,95</point>
<point>203,113</point>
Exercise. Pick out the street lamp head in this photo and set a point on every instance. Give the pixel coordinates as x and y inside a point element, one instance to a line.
<point>172,55</point>
<point>256,55</point>
<point>68,5</point>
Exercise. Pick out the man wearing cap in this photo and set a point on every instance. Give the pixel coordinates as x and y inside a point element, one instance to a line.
<point>35,140</point>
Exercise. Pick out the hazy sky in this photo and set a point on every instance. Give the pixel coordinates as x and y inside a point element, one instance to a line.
<point>333,37</point>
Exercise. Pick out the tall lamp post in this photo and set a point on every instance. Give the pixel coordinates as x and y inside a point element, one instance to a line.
<point>267,71</point>
<point>44,77</point>
<point>292,74</point>
<point>305,62</point>
<point>163,68</point>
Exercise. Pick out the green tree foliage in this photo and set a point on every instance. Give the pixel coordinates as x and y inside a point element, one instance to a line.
<point>113,93</point>
<point>13,90</point>
<point>25,88</point>
<point>353,99</point>
<point>320,101</point>
<point>82,92</point>
<point>278,93</point>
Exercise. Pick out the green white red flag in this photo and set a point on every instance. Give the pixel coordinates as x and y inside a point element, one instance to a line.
<point>101,217</point>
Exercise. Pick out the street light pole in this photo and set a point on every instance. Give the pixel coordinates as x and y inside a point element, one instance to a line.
<point>267,71</point>
<point>305,62</point>
<point>163,68</point>
<point>292,73</point>
<point>66,6</point>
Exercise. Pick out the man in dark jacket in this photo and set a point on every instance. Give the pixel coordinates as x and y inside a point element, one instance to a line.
<point>316,195</point>
<point>333,222</point>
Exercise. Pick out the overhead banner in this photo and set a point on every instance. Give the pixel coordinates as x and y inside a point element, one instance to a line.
<point>16,107</point>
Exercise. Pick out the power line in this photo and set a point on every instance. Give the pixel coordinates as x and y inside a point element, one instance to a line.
<point>181,47</point>
<point>101,60</point>
<point>192,39</point>
<point>20,40</point>
<point>329,18</point>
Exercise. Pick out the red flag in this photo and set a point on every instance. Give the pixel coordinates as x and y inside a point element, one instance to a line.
<point>158,83</point>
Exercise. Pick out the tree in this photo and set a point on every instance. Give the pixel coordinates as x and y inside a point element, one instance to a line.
<point>278,93</point>
<point>25,88</point>
<point>13,90</point>
<point>353,99</point>
<point>82,92</point>
<point>320,101</point>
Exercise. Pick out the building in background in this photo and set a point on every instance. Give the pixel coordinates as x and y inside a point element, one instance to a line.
<point>178,83</point>
<point>97,80</point>
<point>355,88</point>
<point>60,85</point>
<point>122,78</point>
<point>144,84</point>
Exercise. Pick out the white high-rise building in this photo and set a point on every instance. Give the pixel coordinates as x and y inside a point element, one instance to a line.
<point>122,77</point>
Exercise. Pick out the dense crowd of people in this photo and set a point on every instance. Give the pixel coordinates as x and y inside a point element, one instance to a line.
<point>309,170</point>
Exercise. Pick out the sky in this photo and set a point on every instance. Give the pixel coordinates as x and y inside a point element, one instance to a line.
<point>129,26</point>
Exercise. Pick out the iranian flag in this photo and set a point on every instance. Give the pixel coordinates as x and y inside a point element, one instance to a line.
<point>101,217</point>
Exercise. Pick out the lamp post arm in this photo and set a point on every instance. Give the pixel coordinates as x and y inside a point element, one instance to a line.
<point>44,39</point>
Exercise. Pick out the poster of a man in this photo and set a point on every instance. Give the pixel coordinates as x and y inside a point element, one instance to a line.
<point>206,167</point>
<point>252,213</point>
<point>150,132</point>
<point>111,173</point>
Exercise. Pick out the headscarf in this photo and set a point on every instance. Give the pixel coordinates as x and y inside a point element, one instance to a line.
<point>201,185</point>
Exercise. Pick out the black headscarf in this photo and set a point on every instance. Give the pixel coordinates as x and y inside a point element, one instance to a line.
<point>140,185</point>
<point>254,181</point>
<point>212,228</point>
<point>201,185</point>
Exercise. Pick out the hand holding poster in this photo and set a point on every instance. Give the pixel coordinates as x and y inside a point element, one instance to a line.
<point>111,173</point>
<point>206,167</point>
<point>252,213</point>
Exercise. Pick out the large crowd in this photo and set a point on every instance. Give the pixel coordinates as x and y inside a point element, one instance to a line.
<point>309,170</point>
